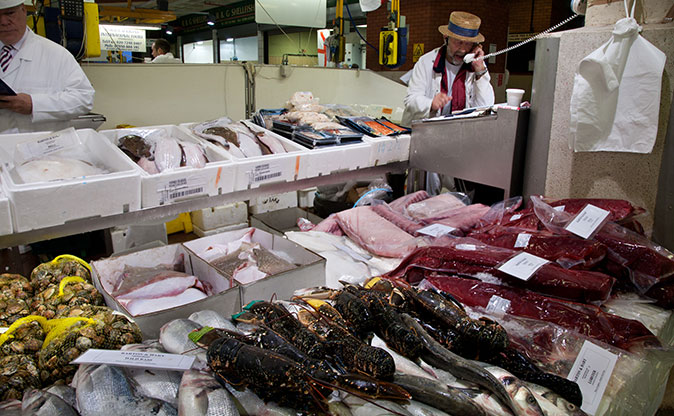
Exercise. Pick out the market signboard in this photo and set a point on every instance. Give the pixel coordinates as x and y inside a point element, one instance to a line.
<point>225,16</point>
<point>119,38</point>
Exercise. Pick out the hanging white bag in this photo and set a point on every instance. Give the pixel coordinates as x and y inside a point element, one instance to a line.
<point>616,94</point>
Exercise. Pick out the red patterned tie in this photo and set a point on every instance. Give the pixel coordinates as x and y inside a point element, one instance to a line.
<point>6,57</point>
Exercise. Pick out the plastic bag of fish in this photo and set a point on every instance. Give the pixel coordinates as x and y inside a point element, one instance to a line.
<point>156,151</point>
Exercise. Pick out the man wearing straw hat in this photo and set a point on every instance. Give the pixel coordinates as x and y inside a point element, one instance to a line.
<point>50,86</point>
<point>441,82</point>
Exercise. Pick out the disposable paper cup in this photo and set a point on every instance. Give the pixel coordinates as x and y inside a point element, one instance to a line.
<point>514,96</point>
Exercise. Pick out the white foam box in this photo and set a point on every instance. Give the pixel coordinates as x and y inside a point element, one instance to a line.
<point>255,171</point>
<point>272,202</point>
<point>389,149</point>
<point>205,233</point>
<point>217,177</point>
<point>216,217</point>
<point>310,273</point>
<point>5,214</point>
<point>332,159</point>
<point>107,272</point>
<point>278,222</point>
<point>44,204</point>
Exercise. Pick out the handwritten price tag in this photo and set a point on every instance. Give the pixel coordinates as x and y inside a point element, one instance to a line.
<point>587,221</point>
<point>523,265</point>
<point>522,240</point>
<point>156,360</point>
<point>592,371</point>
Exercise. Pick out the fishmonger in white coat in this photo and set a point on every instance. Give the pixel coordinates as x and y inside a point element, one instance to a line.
<point>441,82</point>
<point>51,88</point>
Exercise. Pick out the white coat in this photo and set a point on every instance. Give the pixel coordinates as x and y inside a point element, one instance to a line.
<point>57,85</point>
<point>425,84</point>
<point>166,58</point>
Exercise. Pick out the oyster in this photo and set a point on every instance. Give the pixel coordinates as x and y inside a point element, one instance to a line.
<point>52,273</point>
<point>50,302</point>
<point>26,339</point>
<point>17,373</point>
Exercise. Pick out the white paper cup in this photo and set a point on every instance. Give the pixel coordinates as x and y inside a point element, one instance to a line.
<point>514,96</point>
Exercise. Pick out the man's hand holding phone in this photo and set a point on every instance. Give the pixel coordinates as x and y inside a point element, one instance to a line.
<point>478,62</point>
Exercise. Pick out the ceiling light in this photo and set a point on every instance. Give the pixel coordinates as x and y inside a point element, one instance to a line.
<point>138,27</point>
<point>169,30</point>
<point>201,42</point>
<point>361,25</point>
<point>211,19</point>
<point>230,39</point>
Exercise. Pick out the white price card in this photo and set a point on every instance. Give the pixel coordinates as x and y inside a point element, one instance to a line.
<point>141,359</point>
<point>46,145</point>
<point>515,217</point>
<point>180,188</point>
<point>522,240</point>
<point>587,221</point>
<point>523,265</point>
<point>436,230</point>
<point>3,330</point>
<point>498,305</point>
<point>592,371</point>
<point>264,172</point>
<point>559,208</point>
<point>466,247</point>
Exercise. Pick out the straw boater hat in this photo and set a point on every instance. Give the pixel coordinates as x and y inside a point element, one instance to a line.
<point>6,4</point>
<point>463,26</point>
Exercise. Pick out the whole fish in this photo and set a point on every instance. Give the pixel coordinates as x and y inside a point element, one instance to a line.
<point>167,154</point>
<point>558,401</point>
<point>105,390</point>
<point>421,409</point>
<point>403,364</point>
<point>267,139</point>
<point>201,395</point>
<point>247,141</point>
<point>65,392</point>
<point>42,403</point>
<point>194,155</point>
<point>174,338</point>
<point>360,407</point>
<point>519,392</point>
<point>10,408</point>
<point>439,395</point>
<point>213,319</point>
<point>439,356</point>
<point>157,384</point>
<point>55,168</point>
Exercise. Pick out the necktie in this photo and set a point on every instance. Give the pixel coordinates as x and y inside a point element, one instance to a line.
<point>6,57</point>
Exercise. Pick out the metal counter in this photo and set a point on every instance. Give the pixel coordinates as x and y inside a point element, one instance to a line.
<point>488,150</point>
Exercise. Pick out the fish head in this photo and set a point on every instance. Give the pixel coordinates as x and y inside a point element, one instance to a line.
<point>522,396</point>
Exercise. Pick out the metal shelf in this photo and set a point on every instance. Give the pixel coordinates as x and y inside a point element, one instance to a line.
<point>168,211</point>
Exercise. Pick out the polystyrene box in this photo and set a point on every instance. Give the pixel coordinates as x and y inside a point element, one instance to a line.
<point>38,205</point>
<point>5,214</point>
<point>272,202</point>
<point>216,217</point>
<point>389,149</point>
<point>217,177</point>
<point>331,159</point>
<point>107,273</point>
<point>255,171</point>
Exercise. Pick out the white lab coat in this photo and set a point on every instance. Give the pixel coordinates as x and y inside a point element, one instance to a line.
<point>166,58</point>
<point>425,84</point>
<point>57,85</point>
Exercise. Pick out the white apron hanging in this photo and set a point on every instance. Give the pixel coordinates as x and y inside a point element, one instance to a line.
<point>616,94</point>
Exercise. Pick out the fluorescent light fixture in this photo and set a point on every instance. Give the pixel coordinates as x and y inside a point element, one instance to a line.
<point>361,25</point>
<point>169,30</point>
<point>230,39</point>
<point>201,42</point>
<point>138,27</point>
<point>211,19</point>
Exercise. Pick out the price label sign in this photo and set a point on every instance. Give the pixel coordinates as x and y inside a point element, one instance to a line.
<point>264,172</point>
<point>522,240</point>
<point>587,221</point>
<point>592,371</point>
<point>181,188</point>
<point>140,359</point>
<point>466,247</point>
<point>3,330</point>
<point>523,265</point>
<point>436,230</point>
<point>47,145</point>
<point>498,305</point>
<point>515,217</point>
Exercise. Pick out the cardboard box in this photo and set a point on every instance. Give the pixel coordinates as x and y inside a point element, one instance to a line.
<point>389,149</point>
<point>272,202</point>
<point>278,222</point>
<point>255,171</point>
<point>5,214</point>
<point>217,177</point>
<point>279,286</point>
<point>105,273</point>
<point>38,205</point>
<point>217,217</point>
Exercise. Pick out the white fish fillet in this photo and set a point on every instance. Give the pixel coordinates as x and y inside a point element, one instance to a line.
<point>167,154</point>
<point>266,138</point>
<point>148,165</point>
<point>170,286</point>
<point>143,306</point>
<point>52,169</point>
<point>194,155</point>
<point>247,142</point>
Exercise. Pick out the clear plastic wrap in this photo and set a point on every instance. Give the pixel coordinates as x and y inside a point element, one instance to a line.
<point>401,203</point>
<point>431,207</point>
